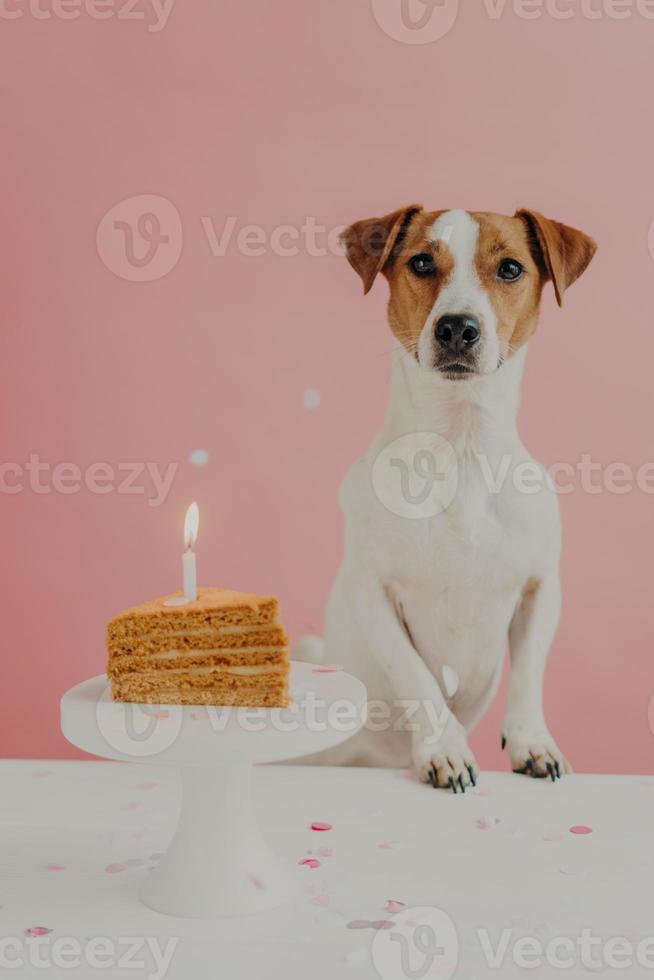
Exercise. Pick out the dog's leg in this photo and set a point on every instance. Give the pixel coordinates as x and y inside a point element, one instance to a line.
<point>525,735</point>
<point>440,751</point>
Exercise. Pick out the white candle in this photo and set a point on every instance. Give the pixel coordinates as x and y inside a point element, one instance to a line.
<point>191,525</point>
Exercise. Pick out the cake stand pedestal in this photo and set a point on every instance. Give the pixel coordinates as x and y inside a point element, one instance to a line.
<point>217,864</point>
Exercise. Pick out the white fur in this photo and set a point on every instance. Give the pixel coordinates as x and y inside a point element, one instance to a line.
<point>414,597</point>
<point>463,293</point>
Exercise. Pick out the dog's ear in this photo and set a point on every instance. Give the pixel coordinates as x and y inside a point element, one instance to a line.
<point>563,253</point>
<point>371,244</point>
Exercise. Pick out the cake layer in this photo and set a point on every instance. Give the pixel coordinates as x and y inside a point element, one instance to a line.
<point>201,638</point>
<point>256,687</point>
<point>175,659</point>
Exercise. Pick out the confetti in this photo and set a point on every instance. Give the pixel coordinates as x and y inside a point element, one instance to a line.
<point>35,931</point>
<point>321,826</point>
<point>450,680</point>
<point>309,862</point>
<point>328,669</point>
<point>198,457</point>
<point>256,883</point>
<point>55,867</point>
<point>311,398</point>
<point>581,828</point>
<point>113,869</point>
<point>393,907</point>
<point>382,924</point>
<point>487,823</point>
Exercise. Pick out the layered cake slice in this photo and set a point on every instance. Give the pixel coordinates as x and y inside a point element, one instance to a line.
<point>223,648</point>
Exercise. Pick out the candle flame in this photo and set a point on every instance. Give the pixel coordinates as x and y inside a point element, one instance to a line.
<point>191,525</point>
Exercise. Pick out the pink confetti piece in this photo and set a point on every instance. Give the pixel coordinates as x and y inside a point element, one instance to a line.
<point>487,823</point>
<point>321,826</point>
<point>35,931</point>
<point>581,828</point>
<point>42,773</point>
<point>394,907</point>
<point>382,924</point>
<point>359,924</point>
<point>147,784</point>
<point>113,869</point>
<point>156,856</point>
<point>552,835</point>
<point>55,867</point>
<point>256,883</point>
<point>328,669</point>
<point>309,862</point>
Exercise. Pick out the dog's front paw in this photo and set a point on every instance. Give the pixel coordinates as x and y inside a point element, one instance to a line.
<point>447,763</point>
<point>534,753</point>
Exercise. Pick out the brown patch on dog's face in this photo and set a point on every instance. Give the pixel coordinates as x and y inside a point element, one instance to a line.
<point>510,276</point>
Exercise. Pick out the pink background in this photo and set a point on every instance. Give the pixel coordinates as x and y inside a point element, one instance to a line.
<point>272,112</point>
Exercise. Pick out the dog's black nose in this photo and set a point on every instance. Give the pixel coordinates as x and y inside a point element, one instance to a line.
<point>456,334</point>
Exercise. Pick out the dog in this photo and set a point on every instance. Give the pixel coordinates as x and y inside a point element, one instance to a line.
<point>426,598</point>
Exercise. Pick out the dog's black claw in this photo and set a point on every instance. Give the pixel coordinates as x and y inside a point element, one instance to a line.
<point>557,770</point>
<point>462,784</point>
<point>473,778</point>
<point>430,776</point>
<point>551,772</point>
<point>503,742</point>
<point>529,768</point>
<point>452,785</point>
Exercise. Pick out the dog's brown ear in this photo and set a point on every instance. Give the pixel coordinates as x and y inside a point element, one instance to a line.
<point>372,243</point>
<point>562,252</point>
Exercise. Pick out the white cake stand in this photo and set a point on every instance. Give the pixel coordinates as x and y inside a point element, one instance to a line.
<point>218,863</point>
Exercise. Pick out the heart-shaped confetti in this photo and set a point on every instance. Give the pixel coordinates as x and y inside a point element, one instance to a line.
<point>394,907</point>
<point>581,828</point>
<point>35,931</point>
<point>382,924</point>
<point>328,669</point>
<point>309,862</point>
<point>113,869</point>
<point>321,826</point>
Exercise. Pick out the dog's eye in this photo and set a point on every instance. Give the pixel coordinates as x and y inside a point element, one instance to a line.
<point>422,265</point>
<point>509,270</point>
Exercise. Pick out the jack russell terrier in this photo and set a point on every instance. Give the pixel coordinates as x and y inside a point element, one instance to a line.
<point>430,587</point>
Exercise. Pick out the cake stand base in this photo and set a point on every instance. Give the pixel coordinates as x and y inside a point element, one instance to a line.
<point>217,864</point>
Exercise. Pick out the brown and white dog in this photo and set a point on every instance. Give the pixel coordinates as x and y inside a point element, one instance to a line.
<point>421,608</point>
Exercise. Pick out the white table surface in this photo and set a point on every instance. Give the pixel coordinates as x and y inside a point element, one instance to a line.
<point>77,838</point>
